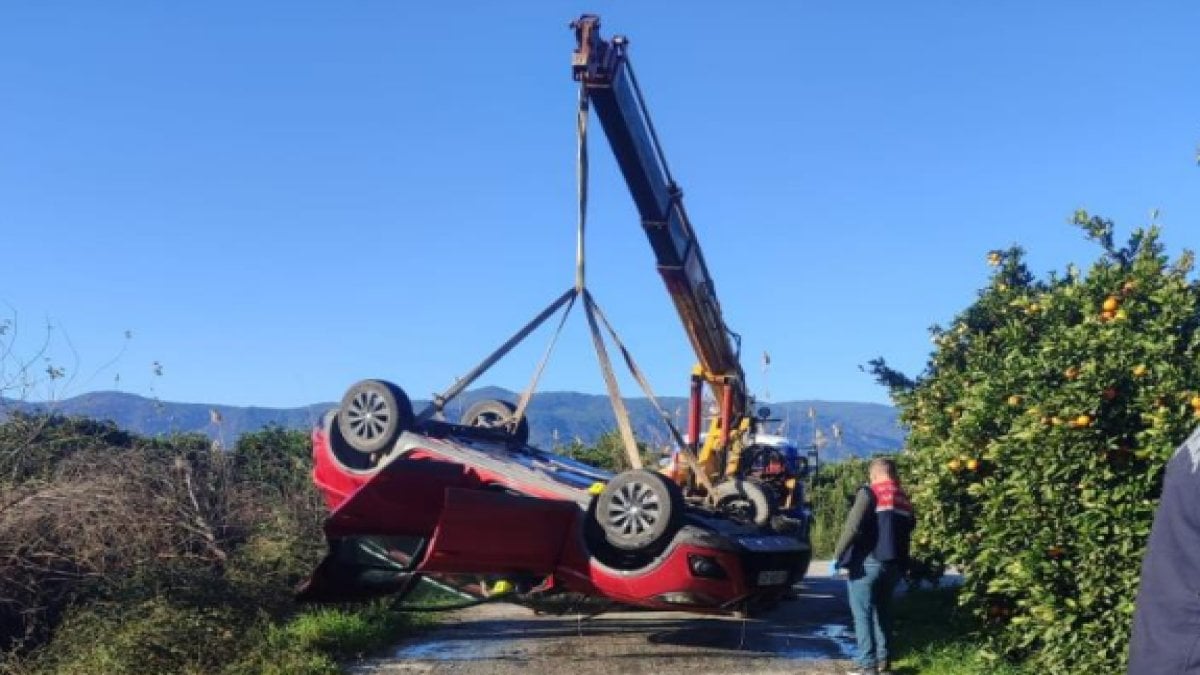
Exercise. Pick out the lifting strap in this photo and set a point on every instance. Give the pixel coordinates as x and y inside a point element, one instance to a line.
<point>624,426</point>
<point>684,448</point>
<point>527,395</point>
<point>440,400</point>
<point>591,309</point>
<point>610,380</point>
<point>581,184</point>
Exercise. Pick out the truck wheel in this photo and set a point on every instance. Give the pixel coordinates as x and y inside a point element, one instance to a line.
<point>746,501</point>
<point>373,414</point>
<point>497,414</point>
<point>639,510</point>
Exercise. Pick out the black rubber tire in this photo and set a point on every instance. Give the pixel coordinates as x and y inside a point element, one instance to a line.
<point>496,414</point>
<point>373,414</point>
<point>639,510</point>
<point>746,500</point>
<point>346,456</point>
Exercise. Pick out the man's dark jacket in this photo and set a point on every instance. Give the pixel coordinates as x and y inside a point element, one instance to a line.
<point>1166,623</point>
<point>879,525</point>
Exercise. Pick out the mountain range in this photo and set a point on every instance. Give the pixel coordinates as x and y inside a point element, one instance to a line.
<point>555,418</point>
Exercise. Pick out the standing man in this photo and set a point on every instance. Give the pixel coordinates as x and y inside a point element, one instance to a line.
<point>1165,638</point>
<point>873,548</point>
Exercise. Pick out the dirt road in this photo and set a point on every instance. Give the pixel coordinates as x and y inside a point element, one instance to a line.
<point>807,635</point>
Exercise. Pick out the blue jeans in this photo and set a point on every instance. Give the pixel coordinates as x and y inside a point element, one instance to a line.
<point>870,590</point>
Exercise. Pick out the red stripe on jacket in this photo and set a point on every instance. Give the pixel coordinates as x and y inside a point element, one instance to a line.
<point>891,497</point>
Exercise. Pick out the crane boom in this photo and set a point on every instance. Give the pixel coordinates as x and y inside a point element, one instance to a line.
<point>603,68</point>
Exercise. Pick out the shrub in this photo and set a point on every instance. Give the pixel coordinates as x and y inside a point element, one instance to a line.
<point>121,554</point>
<point>831,497</point>
<point>609,453</point>
<point>1039,432</point>
<point>150,636</point>
<point>33,445</point>
<point>275,459</point>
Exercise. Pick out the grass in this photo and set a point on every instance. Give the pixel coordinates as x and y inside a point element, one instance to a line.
<point>315,641</point>
<point>165,637</point>
<point>934,637</point>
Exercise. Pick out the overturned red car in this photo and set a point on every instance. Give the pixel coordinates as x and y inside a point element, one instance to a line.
<point>472,507</point>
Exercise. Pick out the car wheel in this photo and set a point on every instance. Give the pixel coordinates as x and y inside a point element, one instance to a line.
<point>639,510</point>
<point>346,456</point>
<point>745,500</point>
<point>373,414</point>
<point>497,414</point>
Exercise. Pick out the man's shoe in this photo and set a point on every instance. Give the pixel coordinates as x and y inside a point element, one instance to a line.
<point>884,668</point>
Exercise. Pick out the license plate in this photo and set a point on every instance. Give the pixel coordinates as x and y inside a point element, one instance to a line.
<point>772,578</point>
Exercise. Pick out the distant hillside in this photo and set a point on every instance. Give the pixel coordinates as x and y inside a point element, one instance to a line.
<point>556,418</point>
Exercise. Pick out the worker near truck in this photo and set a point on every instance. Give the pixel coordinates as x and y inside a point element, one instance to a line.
<point>873,549</point>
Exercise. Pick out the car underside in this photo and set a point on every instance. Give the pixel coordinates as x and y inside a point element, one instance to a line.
<point>474,509</point>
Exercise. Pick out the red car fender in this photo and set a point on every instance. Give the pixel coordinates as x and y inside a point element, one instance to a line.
<point>669,574</point>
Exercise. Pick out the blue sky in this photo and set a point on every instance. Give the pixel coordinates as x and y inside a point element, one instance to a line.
<point>279,198</point>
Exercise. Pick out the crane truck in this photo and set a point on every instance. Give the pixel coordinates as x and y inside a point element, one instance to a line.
<point>754,473</point>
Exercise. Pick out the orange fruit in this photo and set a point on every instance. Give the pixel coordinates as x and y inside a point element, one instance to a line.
<point>1110,304</point>
<point>972,465</point>
<point>1196,401</point>
<point>1083,421</point>
<point>1140,370</point>
<point>954,465</point>
<point>1015,400</point>
<point>1071,373</point>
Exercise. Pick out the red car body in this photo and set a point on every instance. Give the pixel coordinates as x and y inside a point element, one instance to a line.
<point>466,508</point>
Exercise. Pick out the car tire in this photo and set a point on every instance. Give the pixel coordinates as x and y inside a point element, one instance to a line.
<point>639,510</point>
<point>373,414</point>
<point>496,414</point>
<point>346,456</point>
<point>746,500</point>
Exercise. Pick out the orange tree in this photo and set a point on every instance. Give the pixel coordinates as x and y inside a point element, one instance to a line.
<point>1038,434</point>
